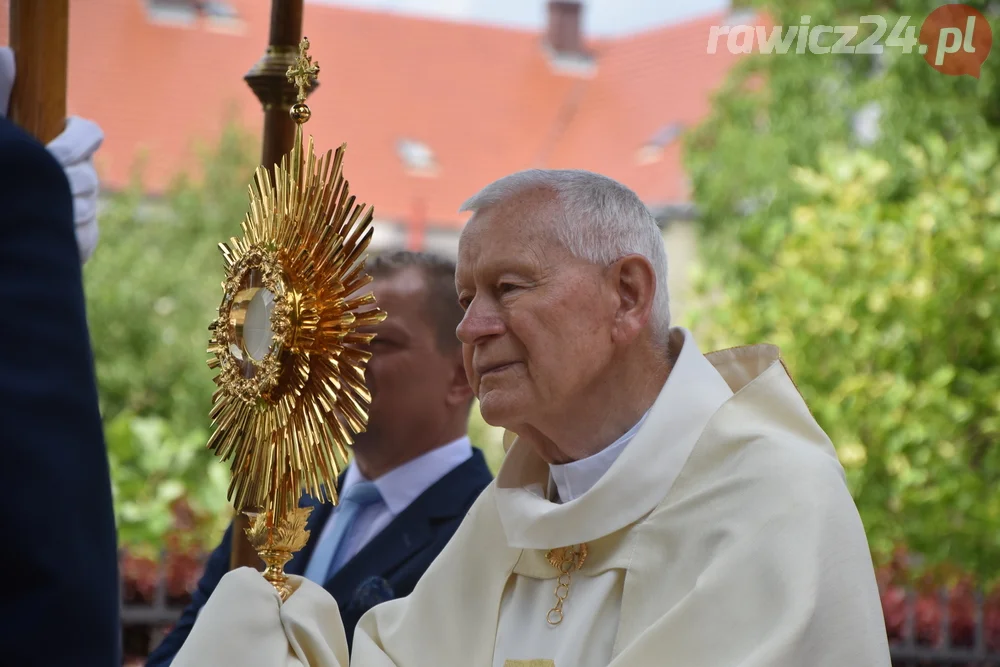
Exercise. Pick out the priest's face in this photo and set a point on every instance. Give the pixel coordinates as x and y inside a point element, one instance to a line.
<point>536,332</point>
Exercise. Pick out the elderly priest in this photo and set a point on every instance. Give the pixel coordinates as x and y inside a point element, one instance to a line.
<point>657,506</point>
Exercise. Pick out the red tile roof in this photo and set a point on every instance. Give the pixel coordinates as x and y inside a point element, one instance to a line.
<point>483,98</point>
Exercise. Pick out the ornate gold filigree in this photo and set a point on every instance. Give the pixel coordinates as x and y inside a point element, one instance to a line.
<point>291,389</point>
<point>276,543</point>
<point>304,72</point>
<point>574,555</point>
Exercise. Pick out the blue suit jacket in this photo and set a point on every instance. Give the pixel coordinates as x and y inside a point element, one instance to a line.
<point>60,600</point>
<point>396,557</point>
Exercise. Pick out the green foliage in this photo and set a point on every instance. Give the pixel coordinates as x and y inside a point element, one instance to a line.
<point>150,299</point>
<point>775,111</point>
<point>487,438</point>
<point>883,312</point>
<point>155,467</point>
<point>875,268</point>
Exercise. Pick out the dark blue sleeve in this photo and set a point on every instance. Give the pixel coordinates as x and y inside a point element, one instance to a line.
<point>60,600</point>
<point>215,569</point>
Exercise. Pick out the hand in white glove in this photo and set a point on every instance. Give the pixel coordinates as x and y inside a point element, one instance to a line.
<point>245,623</point>
<point>74,149</point>
<point>7,71</point>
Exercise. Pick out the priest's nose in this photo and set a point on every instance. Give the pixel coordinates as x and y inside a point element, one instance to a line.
<point>481,321</point>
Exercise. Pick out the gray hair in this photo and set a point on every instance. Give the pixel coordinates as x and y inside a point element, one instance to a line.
<point>604,221</point>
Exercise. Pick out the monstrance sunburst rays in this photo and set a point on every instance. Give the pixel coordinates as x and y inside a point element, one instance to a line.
<point>290,389</point>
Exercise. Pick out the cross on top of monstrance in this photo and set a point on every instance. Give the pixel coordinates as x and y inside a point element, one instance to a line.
<point>304,72</point>
<point>291,387</point>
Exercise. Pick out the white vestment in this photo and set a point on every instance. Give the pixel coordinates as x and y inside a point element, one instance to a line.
<point>723,535</point>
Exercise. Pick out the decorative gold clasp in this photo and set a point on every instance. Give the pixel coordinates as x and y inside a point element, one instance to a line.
<point>567,560</point>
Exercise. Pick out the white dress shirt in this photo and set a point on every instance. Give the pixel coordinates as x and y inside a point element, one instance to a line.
<point>399,488</point>
<point>573,479</point>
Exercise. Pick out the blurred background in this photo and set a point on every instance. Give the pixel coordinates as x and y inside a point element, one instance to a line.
<point>844,207</point>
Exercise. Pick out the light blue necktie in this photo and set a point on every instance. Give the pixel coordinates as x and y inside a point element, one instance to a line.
<point>358,497</point>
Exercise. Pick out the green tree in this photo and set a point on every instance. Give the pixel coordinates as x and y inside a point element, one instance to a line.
<point>153,286</point>
<point>875,266</point>
<point>775,111</point>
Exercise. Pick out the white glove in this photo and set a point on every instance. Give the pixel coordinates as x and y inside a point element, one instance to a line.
<point>7,71</point>
<point>74,149</point>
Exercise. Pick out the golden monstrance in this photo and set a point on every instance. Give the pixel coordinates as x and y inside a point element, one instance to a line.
<point>291,389</point>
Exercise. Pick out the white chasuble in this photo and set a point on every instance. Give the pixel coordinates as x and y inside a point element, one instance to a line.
<point>583,639</point>
<point>596,589</point>
<point>723,535</point>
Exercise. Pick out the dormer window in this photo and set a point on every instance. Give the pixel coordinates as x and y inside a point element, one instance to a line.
<point>652,150</point>
<point>173,12</point>
<point>218,10</point>
<point>189,12</point>
<point>417,157</point>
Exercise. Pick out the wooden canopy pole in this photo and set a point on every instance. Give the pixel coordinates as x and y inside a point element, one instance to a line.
<point>39,36</point>
<point>269,81</point>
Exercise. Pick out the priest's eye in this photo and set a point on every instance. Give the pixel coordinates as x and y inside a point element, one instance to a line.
<point>506,288</point>
<point>464,302</point>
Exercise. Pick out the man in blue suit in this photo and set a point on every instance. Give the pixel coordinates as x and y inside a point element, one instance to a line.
<point>60,602</point>
<point>414,473</point>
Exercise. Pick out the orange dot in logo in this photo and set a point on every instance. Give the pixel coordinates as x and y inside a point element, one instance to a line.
<point>956,40</point>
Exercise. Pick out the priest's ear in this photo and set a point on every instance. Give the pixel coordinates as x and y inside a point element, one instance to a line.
<point>633,284</point>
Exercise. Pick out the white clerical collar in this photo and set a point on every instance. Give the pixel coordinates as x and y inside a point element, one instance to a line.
<point>638,479</point>
<point>575,478</point>
<point>401,486</point>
